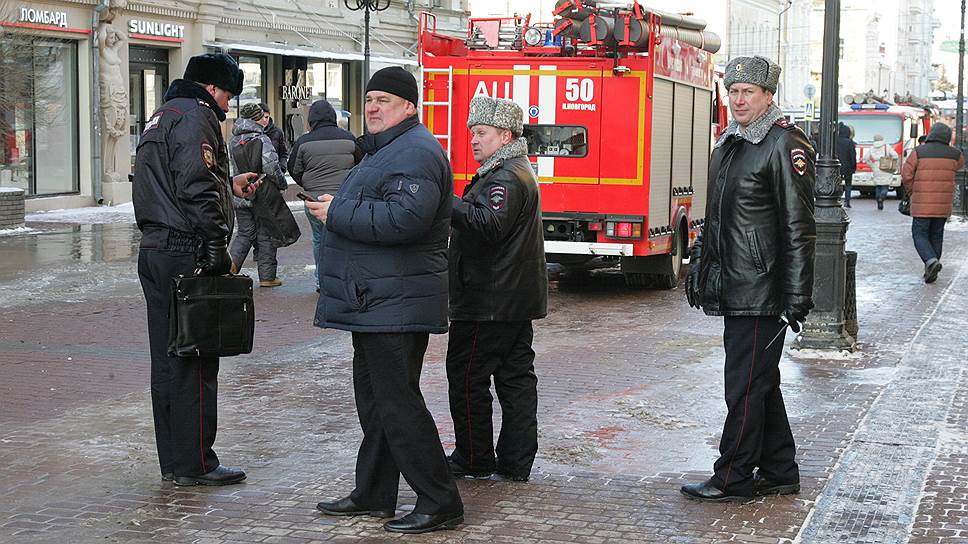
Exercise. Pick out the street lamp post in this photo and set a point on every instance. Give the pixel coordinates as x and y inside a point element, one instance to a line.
<point>367,6</point>
<point>961,202</point>
<point>824,328</point>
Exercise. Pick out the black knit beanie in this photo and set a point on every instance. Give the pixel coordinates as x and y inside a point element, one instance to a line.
<point>394,80</point>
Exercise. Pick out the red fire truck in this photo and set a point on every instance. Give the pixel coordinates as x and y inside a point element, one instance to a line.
<point>899,125</point>
<point>620,114</point>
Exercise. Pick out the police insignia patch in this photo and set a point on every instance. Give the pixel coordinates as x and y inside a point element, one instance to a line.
<point>799,159</point>
<point>414,188</point>
<point>497,196</point>
<point>153,123</point>
<point>208,155</point>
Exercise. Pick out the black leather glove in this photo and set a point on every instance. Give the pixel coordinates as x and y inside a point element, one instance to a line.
<point>797,308</point>
<point>212,257</point>
<point>692,278</point>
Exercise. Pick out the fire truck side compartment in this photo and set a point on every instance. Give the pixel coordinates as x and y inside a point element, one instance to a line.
<point>660,175</point>
<point>701,140</point>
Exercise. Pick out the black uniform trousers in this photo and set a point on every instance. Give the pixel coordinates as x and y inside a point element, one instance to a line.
<point>477,350</point>
<point>399,434</point>
<point>757,432</point>
<point>183,389</point>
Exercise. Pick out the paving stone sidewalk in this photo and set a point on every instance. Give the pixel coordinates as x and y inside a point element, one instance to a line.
<point>630,409</point>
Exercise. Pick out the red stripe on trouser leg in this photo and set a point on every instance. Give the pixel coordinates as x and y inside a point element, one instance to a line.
<point>467,393</point>
<point>746,403</point>
<point>201,434</point>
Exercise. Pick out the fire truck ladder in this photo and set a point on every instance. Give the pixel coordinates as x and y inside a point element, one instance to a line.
<point>444,103</point>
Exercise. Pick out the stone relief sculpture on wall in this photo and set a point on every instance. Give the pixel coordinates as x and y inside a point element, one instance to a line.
<point>113,88</point>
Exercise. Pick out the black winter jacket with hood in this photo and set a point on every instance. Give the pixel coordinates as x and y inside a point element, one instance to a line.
<point>759,237</point>
<point>846,151</point>
<point>322,157</point>
<point>181,174</point>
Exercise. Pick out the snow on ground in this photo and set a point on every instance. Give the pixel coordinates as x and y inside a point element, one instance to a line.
<point>956,223</point>
<point>830,355</point>
<point>17,230</point>
<point>11,190</point>
<point>122,213</point>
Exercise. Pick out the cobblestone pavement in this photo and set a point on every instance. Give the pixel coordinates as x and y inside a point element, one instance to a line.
<point>630,386</point>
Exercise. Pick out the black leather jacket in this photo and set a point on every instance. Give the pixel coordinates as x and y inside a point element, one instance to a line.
<point>759,236</point>
<point>181,174</point>
<point>497,262</point>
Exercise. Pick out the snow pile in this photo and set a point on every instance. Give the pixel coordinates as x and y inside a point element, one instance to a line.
<point>17,230</point>
<point>11,190</point>
<point>123,213</point>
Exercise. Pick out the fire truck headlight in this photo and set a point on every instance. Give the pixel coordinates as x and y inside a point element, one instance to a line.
<point>533,37</point>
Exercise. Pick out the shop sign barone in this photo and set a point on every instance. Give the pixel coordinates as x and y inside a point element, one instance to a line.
<point>295,92</point>
<point>43,17</point>
<point>138,28</point>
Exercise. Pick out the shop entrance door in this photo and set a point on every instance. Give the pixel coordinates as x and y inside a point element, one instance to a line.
<point>148,73</point>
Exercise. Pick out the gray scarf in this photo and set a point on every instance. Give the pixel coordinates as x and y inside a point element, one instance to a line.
<point>515,148</point>
<point>755,131</point>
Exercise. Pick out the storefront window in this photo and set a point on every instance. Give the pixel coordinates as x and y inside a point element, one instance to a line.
<point>38,115</point>
<point>326,81</point>
<point>253,85</point>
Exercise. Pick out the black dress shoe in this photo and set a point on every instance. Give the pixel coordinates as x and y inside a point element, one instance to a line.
<point>502,475</point>
<point>414,523</point>
<point>346,507</point>
<point>460,471</point>
<point>167,476</point>
<point>219,476</point>
<point>764,486</point>
<point>706,491</point>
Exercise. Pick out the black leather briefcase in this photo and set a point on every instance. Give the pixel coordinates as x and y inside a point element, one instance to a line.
<point>211,316</point>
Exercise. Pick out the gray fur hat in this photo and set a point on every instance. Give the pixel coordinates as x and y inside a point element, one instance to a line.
<point>496,112</point>
<point>756,70</point>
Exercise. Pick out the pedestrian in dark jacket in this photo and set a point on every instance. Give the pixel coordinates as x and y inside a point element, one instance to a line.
<point>385,279</point>
<point>498,285</point>
<point>319,162</point>
<point>249,128</point>
<point>277,137</point>
<point>753,264</point>
<point>847,155</point>
<point>928,175</point>
<point>181,189</point>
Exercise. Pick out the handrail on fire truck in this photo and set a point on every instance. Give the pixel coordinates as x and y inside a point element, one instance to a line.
<point>441,103</point>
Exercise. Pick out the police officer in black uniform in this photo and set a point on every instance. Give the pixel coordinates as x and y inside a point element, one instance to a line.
<point>184,211</point>
<point>753,265</point>
<point>498,285</point>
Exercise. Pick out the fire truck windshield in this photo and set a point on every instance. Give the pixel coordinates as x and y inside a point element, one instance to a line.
<point>866,126</point>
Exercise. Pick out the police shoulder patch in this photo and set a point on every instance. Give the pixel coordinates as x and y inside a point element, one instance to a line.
<point>208,155</point>
<point>497,196</point>
<point>798,158</point>
<point>152,123</point>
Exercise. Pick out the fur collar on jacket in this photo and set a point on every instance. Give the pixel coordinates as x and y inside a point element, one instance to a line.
<point>755,131</point>
<point>515,148</point>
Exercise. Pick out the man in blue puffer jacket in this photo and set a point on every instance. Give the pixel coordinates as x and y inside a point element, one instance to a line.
<point>385,279</point>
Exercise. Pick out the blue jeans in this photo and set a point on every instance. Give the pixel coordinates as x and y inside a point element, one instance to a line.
<point>880,192</point>
<point>319,238</point>
<point>928,234</point>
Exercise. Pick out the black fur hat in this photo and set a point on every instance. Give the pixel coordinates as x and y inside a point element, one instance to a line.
<point>216,69</point>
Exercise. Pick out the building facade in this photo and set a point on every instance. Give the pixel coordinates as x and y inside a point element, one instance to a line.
<point>90,74</point>
<point>915,42</point>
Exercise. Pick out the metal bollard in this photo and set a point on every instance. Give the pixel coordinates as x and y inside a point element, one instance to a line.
<point>850,295</point>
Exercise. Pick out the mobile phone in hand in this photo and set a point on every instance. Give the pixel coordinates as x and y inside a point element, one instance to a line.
<point>304,196</point>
